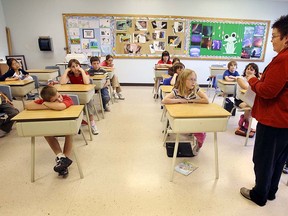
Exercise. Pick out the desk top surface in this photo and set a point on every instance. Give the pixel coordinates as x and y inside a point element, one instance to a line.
<point>71,112</point>
<point>226,82</point>
<point>166,88</point>
<point>218,68</point>
<point>193,110</point>
<point>42,70</point>
<point>16,82</point>
<point>161,69</point>
<point>108,69</point>
<point>98,77</point>
<point>74,87</point>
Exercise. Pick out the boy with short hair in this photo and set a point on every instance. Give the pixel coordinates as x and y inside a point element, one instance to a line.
<point>51,99</point>
<point>96,70</point>
<point>231,74</point>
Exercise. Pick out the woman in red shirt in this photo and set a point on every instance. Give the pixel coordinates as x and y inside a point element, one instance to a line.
<point>271,112</point>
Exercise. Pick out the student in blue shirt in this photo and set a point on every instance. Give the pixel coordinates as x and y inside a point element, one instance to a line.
<point>231,74</point>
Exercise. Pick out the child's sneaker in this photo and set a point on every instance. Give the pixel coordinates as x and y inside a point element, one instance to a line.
<point>62,164</point>
<point>94,130</point>
<point>115,96</point>
<point>107,109</point>
<point>64,173</point>
<point>120,96</point>
<point>285,169</point>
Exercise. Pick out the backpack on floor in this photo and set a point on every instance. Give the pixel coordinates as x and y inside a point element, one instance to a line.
<point>229,106</point>
<point>184,149</point>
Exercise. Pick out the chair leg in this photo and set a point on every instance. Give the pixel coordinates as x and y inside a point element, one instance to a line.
<point>77,162</point>
<point>248,131</point>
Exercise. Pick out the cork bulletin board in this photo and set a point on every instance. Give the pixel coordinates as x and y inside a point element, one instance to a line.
<point>147,36</point>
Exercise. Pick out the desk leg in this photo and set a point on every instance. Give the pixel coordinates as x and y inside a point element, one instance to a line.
<point>216,156</point>
<point>32,159</point>
<point>22,99</point>
<point>88,121</point>
<point>101,103</point>
<point>77,161</point>
<point>174,157</point>
<point>224,99</point>
<point>111,93</point>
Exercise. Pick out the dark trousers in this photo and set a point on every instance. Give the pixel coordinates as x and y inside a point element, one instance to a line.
<point>11,111</point>
<point>269,156</point>
<point>105,96</point>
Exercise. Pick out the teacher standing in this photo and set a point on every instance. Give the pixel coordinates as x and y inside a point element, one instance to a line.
<point>271,111</point>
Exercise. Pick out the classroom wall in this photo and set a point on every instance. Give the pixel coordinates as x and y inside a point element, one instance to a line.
<point>44,18</point>
<point>3,43</point>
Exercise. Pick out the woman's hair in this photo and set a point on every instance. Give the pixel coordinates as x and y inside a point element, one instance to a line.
<point>73,61</point>
<point>281,25</point>
<point>165,53</point>
<point>255,67</point>
<point>181,82</point>
<point>175,60</point>
<point>10,61</point>
<point>108,57</point>
<point>48,92</point>
<point>172,70</point>
<point>231,63</point>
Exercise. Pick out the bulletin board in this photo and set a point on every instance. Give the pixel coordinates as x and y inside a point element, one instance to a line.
<point>147,36</point>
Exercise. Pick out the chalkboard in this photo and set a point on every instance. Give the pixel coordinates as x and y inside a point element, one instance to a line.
<point>147,36</point>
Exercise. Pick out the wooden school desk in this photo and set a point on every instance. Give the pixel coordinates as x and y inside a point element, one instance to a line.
<point>85,94</point>
<point>214,71</point>
<point>191,118</point>
<point>32,123</point>
<point>20,88</point>
<point>227,88</point>
<point>110,71</point>
<point>44,74</point>
<point>158,72</point>
<point>99,82</point>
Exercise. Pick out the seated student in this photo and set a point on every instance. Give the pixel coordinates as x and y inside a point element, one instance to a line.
<point>174,72</point>
<point>187,91</point>
<point>95,63</point>
<point>165,61</point>
<point>51,99</point>
<point>175,60</point>
<point>6,107</point>
<point>231,74</point>
<point>108,63</point>
<point>15,71</point>
<point>76,75</point>
<point>242,83</point>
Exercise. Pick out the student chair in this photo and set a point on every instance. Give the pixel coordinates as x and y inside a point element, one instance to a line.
<point>7,91</point>
<point>100,100</point>
<point>250,119</point>
<point>37,85</point>
<point>56,68</point>
<point>76,101</point>
<point>218,92</point>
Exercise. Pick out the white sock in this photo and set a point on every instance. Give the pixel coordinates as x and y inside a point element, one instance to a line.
<point>61,155</point>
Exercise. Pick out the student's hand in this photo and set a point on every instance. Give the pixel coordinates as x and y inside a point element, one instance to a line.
<point>182,101</point>
<point>250,76</point>
<point>232,77</point>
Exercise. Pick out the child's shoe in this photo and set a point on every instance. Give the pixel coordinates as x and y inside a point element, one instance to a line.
<point>94,130</point>
<point>196,148</point>
<point>285,169</point>
<point>120,96</point>
<point>62,164</point>
<point>241,131</point>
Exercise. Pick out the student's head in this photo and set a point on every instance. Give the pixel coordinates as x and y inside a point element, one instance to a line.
<point>280,34</point>
<point>74,64</point>
<point>186,81</point>
<point>95,62</point>
<point>176,68</point>
<point>175,60</point>
<point>109,59</point>
<point>232,66</point>
<point>250,69</point>
<point>13,64</point>
<point>50,94</point>
<point>165,56</point>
